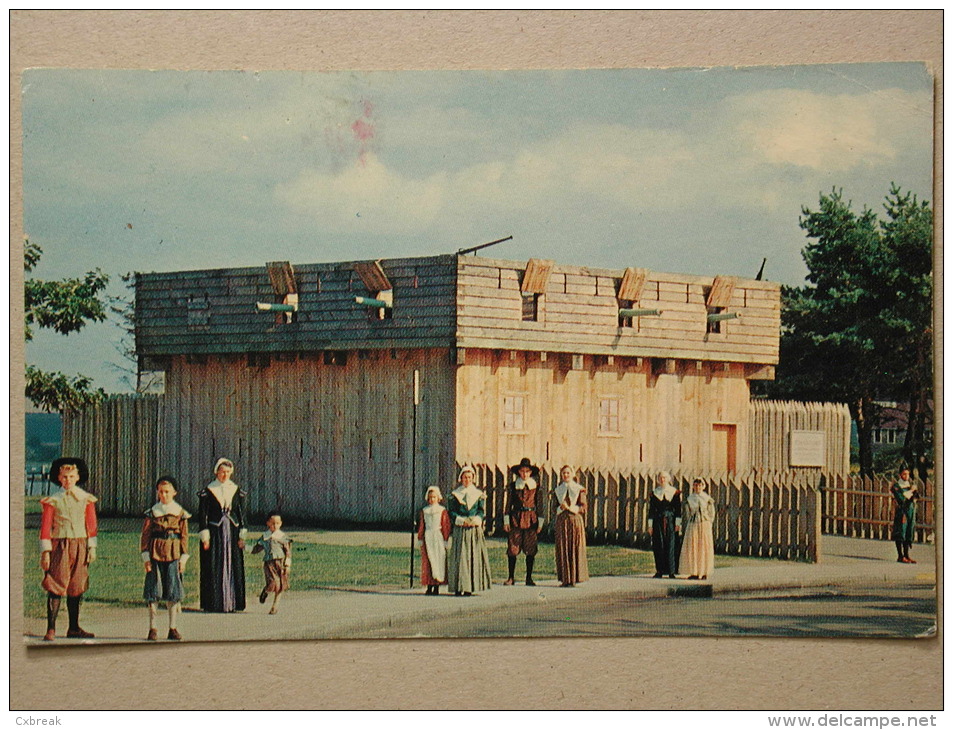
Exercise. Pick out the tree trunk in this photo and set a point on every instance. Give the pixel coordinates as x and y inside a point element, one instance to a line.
<point>863,413</point>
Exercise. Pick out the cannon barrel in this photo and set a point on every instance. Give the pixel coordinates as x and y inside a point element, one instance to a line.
<point>371,302</point>
<point>276,307</point>
<point>723,316</point>
<point>640,312</point>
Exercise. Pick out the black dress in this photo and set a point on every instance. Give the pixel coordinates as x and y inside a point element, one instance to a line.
<point>222,580</point>
<point>663,512</point>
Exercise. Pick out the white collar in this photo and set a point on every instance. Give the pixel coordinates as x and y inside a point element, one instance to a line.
<point>433,508</point>
<point>664,493</point>
<point>172,508</point>
<point>468,496</point>
<point>223,491</point>
<point>527,483</point>
<point>701,498</point>
<point>276,535</point>
<point>572,488</point>
<point>80,495</point>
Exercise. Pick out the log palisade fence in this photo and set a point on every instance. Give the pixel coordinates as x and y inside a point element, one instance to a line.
<point>777,515</point>
<point>119,439</point>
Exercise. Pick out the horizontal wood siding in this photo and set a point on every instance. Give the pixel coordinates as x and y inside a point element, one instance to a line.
<point>580,313</point>
<point>770,516</point>
<point>213,311</point>
<point>665,421</point>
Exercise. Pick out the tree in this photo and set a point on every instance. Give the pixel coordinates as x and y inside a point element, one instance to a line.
<point>65,306</point>
<point>861,328</point>
<point>124,310</point>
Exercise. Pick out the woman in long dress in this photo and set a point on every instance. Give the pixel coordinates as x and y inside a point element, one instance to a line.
<point>698,544</point>
<point>904,516</point>
<point>222,534</point>
<point>469,568</point>
<point>572,566</point>
<point>665,522</point>
<point>433,531</point>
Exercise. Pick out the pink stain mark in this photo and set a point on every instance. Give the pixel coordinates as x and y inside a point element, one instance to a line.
<point>363,130</point>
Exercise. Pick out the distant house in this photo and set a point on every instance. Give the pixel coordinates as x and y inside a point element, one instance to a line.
<point>304,375</point>
<point>892,429</point>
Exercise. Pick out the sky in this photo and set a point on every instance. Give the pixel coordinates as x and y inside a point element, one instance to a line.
<point>701,171</point>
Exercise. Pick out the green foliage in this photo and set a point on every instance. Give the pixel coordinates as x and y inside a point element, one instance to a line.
<point>58,392</point>
<point>64,306</point>
<point>861,329</point>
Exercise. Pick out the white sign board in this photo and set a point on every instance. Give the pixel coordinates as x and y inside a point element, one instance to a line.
<point>808,448</point>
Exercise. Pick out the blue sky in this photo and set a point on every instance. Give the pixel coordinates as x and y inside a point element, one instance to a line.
<point>694,170</point>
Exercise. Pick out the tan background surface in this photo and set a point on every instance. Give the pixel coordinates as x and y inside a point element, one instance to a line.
<point>567,674</point>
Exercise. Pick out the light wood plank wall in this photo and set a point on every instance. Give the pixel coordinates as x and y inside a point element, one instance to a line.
<point>665,420</point>
<point>316,440</point>
<point>579,313</point>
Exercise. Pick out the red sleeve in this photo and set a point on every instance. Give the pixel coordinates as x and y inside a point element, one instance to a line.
<point>145,538</point>
<point>445,525</point>
<point>420,526</point>
<point>46,521</point>
<point>90,519</point>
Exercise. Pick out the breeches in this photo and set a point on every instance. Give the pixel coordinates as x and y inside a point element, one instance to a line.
<point>522,539</point>
<point>68,574</point>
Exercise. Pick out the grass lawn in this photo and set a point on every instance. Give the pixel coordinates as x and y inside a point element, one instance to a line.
<point>117,575</point>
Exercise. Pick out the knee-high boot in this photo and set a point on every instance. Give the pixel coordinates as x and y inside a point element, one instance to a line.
<point>530,561</point>
<point>511,560</point>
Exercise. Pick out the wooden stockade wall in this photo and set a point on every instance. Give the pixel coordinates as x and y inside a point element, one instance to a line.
<point>771,516</point>
<point>118,438</point>
<point>770,424</point>
<point>858,506</point>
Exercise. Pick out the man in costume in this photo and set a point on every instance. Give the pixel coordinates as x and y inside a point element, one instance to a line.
<point>67,544</point>
<point>521,519</point>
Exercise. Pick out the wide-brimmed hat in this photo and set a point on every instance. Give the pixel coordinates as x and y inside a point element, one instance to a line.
<point>66,461</point>
<point>525,463</point>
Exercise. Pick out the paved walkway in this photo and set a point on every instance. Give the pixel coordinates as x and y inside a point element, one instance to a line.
<point>344,613</point>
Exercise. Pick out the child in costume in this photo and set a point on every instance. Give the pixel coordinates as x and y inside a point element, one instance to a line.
<point>433,531</point>
<point>277,548</point>
<point>67,544</point>
<point>164,549</point>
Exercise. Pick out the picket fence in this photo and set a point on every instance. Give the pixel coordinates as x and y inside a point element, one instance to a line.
<point>858,506</point>
<point>777,515</point>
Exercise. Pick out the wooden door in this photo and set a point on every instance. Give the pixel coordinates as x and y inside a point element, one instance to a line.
<point>724,446</point>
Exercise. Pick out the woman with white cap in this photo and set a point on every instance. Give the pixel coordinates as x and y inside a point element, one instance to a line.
<point>469,568</point>
<point>222,534</point>
<point>698,545</point>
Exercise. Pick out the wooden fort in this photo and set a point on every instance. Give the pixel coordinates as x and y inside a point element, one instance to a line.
<point>304,375</point>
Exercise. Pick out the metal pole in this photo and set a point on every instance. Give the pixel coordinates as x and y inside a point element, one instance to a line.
<point>413,474</point>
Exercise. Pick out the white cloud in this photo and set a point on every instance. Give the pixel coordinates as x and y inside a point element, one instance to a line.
<point>366,197</point>
<point>826,131</point>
